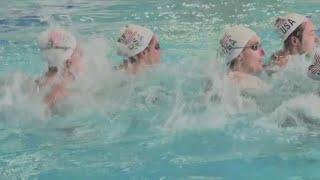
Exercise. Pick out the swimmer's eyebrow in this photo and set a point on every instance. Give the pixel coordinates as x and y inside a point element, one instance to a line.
<point>255,42</point>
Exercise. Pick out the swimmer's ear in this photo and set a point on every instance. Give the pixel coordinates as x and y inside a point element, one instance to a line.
<point>144,53</point>
<point>294,41</point>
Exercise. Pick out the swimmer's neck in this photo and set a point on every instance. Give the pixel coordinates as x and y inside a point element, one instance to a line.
<point>132,69</point>
<point>294,51</point>
<point>239,73</point>
<point>135,68</point>
<point>241,70</point>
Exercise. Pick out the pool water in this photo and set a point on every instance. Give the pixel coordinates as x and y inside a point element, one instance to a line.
<point>159,124</point>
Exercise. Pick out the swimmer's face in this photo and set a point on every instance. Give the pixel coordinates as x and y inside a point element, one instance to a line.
<point>252,56</point>
<point>154,54</point>
<point>309,38</point>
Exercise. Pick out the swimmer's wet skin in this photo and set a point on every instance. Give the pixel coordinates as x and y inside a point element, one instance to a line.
<point>299,38</point>
<point>244,56</point>
<point>139,47</point>
<point>149,121</point>
<point>57,48</point>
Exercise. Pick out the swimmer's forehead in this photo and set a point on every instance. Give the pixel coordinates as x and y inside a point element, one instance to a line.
<point>255,39</point>
<point>156,38</point>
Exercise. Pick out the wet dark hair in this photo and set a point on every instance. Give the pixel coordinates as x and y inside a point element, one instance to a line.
<point>296,33</point>
<point>134,59</point>
<point>232,64</point>
<point>53,69</point>
<point>287,45</point>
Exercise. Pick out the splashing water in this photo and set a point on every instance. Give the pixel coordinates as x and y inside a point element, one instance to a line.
<point>159,124</point>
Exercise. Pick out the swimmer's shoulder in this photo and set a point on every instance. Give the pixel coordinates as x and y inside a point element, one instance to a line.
<point>250,83</point>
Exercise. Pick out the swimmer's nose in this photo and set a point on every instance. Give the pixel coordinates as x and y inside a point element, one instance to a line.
<point>262,53</point>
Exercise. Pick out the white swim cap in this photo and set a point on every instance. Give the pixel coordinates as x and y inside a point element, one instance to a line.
<point>134,39</point>
<point>290,22</point>
<point>234,40</point>
<point>56,46</point>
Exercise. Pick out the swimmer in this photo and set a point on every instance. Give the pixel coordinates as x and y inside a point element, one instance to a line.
<point>140,48</point>
<point>314,69</point>
<point>244,56</point>
<point>63,55</point>
<point>299,38</point>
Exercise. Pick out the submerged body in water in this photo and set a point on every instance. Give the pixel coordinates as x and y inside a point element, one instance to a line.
<point>63,54</point>
<point>159,114</point>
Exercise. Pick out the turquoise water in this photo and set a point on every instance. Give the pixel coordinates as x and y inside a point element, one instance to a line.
<point>158,125</point>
